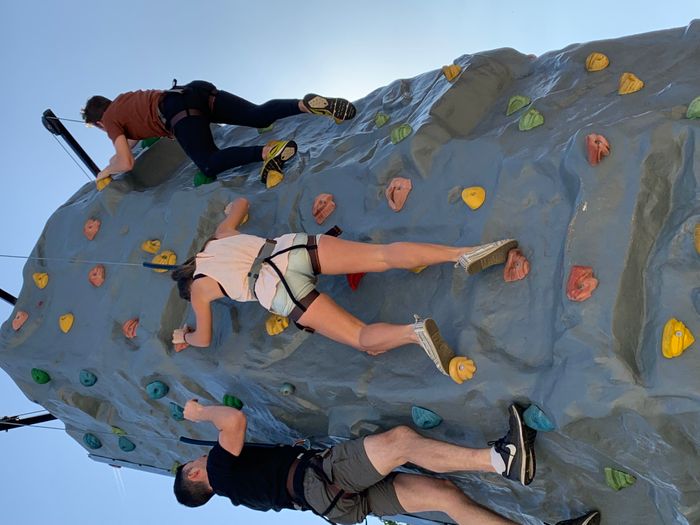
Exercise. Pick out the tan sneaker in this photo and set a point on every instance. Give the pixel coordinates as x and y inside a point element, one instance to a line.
<point>434,345</point>
<point>486,255</point>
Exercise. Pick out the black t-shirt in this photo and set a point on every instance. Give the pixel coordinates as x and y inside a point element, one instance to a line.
<point>257,478</point>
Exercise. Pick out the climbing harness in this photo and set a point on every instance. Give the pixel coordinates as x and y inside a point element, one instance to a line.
<point>185,90</point>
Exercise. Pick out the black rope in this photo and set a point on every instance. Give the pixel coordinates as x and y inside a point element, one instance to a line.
<point>66,119</point>
<point>71,156</point>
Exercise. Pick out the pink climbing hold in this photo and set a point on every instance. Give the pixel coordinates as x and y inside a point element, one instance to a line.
<point>92,226</point>
<point>19,319</point>
<point>323,207</point>
<point>581,283</point>
<point>129,328</point>
<point>397,192</point>
<point>598,147</point>
<point>354,279</point>
<point>517,266</point>
<point>97,276</point>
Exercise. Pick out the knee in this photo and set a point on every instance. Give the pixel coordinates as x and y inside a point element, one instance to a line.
<point>398,437</point>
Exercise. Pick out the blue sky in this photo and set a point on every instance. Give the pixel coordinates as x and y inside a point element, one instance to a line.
<point>56,54</point>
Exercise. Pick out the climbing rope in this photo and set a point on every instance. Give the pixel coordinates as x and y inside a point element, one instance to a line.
<point>85,261</point>
<point>71,156</point>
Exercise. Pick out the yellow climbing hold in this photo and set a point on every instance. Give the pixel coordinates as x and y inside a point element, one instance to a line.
<point>381,118</point>
<point>41,279</point>
<point>451,72</point>
<point>151,246</point>
<point>118,431</point>
<point>418,269</point>
<point>164,257</point>
<point>697,237</point>
<point>274,177</point>
<point>400,132</point>
<point>676,338</point>
<point>103,183</point>
<point>629,83</point>
<point>276,324</point>
<point>530,119</point>
<point>65,322</point>
<point>596,62</point>
<point>474,196</point>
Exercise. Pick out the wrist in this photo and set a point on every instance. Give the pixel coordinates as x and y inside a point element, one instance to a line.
<point>184,337</point>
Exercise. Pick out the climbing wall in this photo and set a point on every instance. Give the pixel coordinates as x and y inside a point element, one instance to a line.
<point>587,156</point>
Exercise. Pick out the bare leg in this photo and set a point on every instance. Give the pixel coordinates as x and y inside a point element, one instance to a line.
<point>422,494</point>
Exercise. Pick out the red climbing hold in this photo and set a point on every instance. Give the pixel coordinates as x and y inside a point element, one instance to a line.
<point>598,147</point>
<point>323,207</point>
<point>19,319</point>
<point>517,266</point>
<point>92,226</point>
<point>581,283</point>
<point>354,279</point>
<point>97,276</point>
<point>397,192</point>
<point>129,328</point>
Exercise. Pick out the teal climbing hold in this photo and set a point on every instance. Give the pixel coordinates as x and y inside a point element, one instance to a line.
<point>126,444</point>
<point>517,102</point>
<point>40,376</point>
<point>537,419</point>
<point>265,130</point>
<point>177,412</point>
<point>425,418</point>
<point>618,479</point>
<point>92,441</point>
<point>287,389</point>
<point>200,178</point>
<point>400,132</point>
<point>156,389</point>
<point>232,401</point>
<point>381,118</point>
<point>531,119</point>
<point>694,109</point>
<point>147,143</point>
<point>87,378</point>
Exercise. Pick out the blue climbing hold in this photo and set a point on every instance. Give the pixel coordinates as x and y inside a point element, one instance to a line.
<point>537,419</point>
<point>287,389</point>
<point>425,418</point>
<point>87,378</point>
<point>157,389</point>
<point>92,441</point>
<point>177,412</point>
<point>126,445</point>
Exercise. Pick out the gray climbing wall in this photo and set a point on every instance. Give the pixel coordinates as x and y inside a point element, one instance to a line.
<point>595,367</point>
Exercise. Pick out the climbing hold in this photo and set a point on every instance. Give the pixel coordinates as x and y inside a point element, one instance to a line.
<point>151,246</point>
<point>381,118</point>
<point>177,412</point>
<point>87,378</point>
<point>451,72</point>
<point>354,279</point>
<point>676,338</point>
<point>65,322</point>
<point>19,319</point>
<point>265,129</point>
<point>531,119</point>
<point>103,183</point>
<point>173,469</point>
<point>40,376</point>
<point>118,431</point>
<point>244,219</point>
<point>596,62</point>
<point>147,143</point>
<point>41,279</point>
<point>400,132</point>
<point>200,179</point>
<point>581,283</point>
<point>157,389</point>
<point>474,196</point>
<point>461,369</point>
<point>629,83</point>
<point>535,418</point>
<point>92,441</point>
<point>164,257</point>
<point>232,401</point>
<point>618,479</point>
<point>126,445</point>
<point>598,147</point>
<point>517,102</point>
<point>424,418</point>
<point>517,266</point>
<point>276,324</point>
<point>129,328</point>
<point>323,206</point>
<point>287,389</point>
<point>397,192</point>
<point>97,276</point>
<point>418,269</point>
<point>697,237</point>
<point>694,109</point>
<point>91,227</point>
<point>274,177</point>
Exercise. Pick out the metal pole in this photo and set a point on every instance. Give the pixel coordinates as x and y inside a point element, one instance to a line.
<point>17,422</point>
<point>8,297</point>
<point>55,126</point>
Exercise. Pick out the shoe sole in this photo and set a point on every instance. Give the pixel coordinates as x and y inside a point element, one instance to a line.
<point>516,413</point>
<point>276,161</point>
<point>438,350</point>
<point>337,108</point>
<point>498,256</point>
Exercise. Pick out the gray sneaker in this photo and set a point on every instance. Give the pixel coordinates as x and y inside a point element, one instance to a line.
<point>486,255</point>
<point>434,345</point>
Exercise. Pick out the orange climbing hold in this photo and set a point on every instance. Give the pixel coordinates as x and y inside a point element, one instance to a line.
<point>397,192</point>
<point>165,257</point>
<point>97,276</point>
<point>474,196</point>
<point>676,338</point>
<point>451,72</point>
<point>129,328</point>
<point>581,283</point>
<point>323,206</point>
<point>629,83</point>
<point>697,237</point>
<point>418,269</point>
<point>517,266</point>
<point>65,322</point>
<point>19,319</point>
<point>598,147</point>
<point>354,279</point>
<point>596,62</point>
<point>151,246</point>
<point>40,279</point>
<point>91,227</point>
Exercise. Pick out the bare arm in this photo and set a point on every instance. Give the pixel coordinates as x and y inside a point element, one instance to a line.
<point>132,143</point>
<point>122,161</point>
<point>235,212</point>
<point>230,422</point>
<point>201,336</point>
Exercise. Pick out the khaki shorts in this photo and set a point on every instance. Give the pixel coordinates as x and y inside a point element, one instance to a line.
<point>348,466</point>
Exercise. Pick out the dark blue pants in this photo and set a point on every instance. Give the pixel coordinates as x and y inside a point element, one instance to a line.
<point>193,132</point>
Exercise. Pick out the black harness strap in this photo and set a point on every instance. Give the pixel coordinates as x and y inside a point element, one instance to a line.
<point>188,112</point>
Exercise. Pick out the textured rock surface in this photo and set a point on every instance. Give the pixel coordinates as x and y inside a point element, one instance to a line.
<point>595,367</point>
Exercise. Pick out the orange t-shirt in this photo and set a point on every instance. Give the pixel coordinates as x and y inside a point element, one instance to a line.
<point>135,115</point>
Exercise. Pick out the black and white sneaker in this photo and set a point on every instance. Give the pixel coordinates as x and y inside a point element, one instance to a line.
<point>591,518</point>
<point>517,448</point>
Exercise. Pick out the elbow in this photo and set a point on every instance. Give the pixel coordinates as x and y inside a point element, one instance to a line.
<point>129,164</point>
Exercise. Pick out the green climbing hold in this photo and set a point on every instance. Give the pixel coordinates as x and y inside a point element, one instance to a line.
<point>517,102</point>
<point>126,444</point>
<point>87,378</point>
<point>177,412</point>
<point>617,479</point>
<point>425,418</point>
<point>173,469</point>
<point>156,389</point>
<point>535,418</point>
<point>118,431</point>
<point>40,376</point>
<point>400,132</point>
<point>531,119</point>
<point>694,109</point>
<point>200,178</point>
<point>381,118</point>
<point>287,389</point>
<point>92,441</point>
<point>265,130</point>
<point>232,401</point>
<point>147,143</point>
